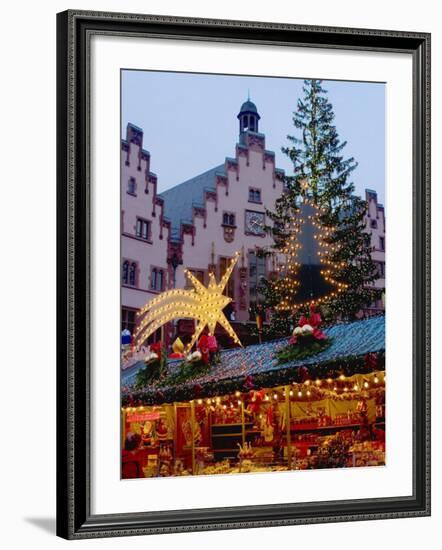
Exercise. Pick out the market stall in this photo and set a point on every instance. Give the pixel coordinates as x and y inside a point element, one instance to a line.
<point>251,409</point>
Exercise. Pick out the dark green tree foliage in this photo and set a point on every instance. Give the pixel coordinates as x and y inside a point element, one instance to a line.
<point>281,321</point>
<point>321,172</point>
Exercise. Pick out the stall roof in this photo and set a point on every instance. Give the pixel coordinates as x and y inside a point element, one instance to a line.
<point>258,364</point>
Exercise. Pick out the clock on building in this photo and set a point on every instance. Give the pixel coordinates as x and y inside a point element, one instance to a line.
<point>254,223</point>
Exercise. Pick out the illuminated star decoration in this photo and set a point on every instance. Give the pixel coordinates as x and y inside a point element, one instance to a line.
<point>204,304</point>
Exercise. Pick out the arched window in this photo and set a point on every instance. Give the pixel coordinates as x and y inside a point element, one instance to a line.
<point>125,273</point>
<point>252,124</point>
<point>132,273</point>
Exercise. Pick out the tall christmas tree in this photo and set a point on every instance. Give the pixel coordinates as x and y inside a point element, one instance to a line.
<point>321,176</point>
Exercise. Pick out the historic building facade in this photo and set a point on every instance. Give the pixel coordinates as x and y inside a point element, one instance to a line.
<point>144,232</point>
<point>222,211</point>
<point>199,224</point>
<point>375,224</point>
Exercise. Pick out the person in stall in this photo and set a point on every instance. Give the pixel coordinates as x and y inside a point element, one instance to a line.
<point>132,457</point>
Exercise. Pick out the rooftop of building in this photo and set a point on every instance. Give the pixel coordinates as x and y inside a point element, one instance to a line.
<point>375,194</point>
<point>248,107</point>
<point>180,200</point>
<point>349,341</point>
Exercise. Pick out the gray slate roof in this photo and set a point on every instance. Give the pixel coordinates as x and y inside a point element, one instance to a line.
<point>180,200</point>
<point>248,107</point>
<point>353,339</point>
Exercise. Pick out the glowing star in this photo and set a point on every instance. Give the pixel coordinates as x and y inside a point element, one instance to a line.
<point>204,304</point>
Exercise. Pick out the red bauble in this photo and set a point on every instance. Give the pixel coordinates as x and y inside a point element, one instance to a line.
<point>156,348</point>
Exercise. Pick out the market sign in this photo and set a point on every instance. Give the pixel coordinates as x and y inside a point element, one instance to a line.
<point>142,416</point>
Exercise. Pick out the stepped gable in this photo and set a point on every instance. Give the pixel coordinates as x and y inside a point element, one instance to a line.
<point>181,201</point>
<point>188,199</point>
<point>134,136</point>
<point>134,141</point>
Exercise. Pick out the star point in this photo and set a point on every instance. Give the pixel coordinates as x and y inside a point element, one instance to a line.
<point>204,304</point>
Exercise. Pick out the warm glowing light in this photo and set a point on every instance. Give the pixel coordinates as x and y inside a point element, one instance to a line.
<point>288,285</point>
<point>204,304</point>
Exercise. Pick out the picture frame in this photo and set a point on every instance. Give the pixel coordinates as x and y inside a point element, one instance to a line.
<point>75,29</point>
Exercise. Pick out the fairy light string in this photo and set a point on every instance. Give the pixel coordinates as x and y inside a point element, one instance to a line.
<point>204,304</point>
<point>368,386</point>
<point>287,284</point>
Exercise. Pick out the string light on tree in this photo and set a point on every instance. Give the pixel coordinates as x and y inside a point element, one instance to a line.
<point>322,175</point>
<point>287,285</point>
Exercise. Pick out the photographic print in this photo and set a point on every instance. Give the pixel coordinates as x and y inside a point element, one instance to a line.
<point>253,265</point>
<point>243,245</point>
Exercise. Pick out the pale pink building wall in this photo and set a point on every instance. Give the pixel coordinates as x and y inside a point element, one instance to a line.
<point>375,225</point>
<point>255,168</point>
<point>205,244</point>
<point>144,203</point>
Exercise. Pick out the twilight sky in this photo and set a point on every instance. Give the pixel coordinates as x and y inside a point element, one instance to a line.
<point>190,125</point>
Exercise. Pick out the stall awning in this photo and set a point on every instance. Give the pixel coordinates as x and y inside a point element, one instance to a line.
<point>357,347</point>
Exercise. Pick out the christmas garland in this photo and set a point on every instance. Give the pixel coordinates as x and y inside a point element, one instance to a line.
<point>156,371</point>
<point>155,366</point>
<point>292,352</point>
<point>307,339</point>
<point>192,367</point>
<point>160,393</point>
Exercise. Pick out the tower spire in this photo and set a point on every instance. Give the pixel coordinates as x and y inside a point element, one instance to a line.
<point>248,117</point>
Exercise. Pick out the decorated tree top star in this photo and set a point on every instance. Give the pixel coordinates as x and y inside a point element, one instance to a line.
<point>204,304</point>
